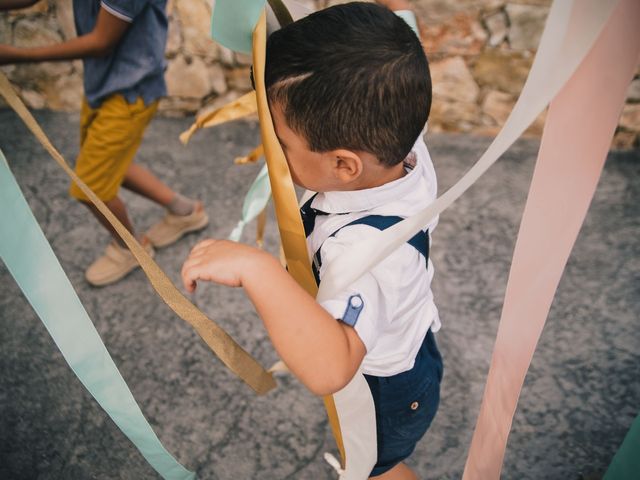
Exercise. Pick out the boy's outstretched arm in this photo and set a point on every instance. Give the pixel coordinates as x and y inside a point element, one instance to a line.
<point>321,351</point>
<point>100,41</point>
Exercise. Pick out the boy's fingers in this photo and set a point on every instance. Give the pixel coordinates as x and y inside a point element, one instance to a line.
<point>200,255</point>
<point>188,269</point>
<point>189,277</point>
<point>190,287</point>
<point>186,265</point>
<point>202,245</point>
<point>191,262</point>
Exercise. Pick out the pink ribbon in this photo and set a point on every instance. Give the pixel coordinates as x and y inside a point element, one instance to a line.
<point>578,131</point>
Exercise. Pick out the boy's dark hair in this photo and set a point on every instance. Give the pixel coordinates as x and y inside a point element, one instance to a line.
<point>352,76</point>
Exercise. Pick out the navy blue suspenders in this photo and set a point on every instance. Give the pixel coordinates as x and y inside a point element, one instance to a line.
<point>420,241</point>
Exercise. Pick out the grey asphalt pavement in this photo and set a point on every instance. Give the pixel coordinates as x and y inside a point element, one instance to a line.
<point>579,398</point>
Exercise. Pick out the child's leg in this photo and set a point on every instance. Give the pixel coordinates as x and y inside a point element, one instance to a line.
<point>110,136</point>
<point>399,472</point>
<point>119,209</point>
<point>140,180</point>
<point>117,261</point>
<point>185,215</point>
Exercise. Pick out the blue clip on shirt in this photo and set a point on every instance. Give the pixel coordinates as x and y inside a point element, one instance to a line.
<point>352,312</point>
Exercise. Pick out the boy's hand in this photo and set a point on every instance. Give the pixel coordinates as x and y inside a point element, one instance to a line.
<point>219,261</point>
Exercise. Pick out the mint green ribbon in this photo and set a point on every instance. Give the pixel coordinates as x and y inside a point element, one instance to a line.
<point>254,202</point>
<point>626,462</point>
<point>410,18</point>
<point>233,21</point>
<point>30,259</point>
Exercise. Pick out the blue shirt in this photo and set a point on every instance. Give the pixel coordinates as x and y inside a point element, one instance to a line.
<point>135,68</point>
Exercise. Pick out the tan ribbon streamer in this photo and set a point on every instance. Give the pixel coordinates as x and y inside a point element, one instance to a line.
<point>292,235</point>
<point>239,108</point>
<point>231,354</point>
<point>284,195</point>
<point>579,126</point>
<point>252,157</point>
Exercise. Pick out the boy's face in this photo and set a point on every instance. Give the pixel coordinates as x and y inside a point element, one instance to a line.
<point>311,170</point>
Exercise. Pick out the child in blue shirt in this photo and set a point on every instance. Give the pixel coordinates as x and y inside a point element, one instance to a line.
<point>121,43</point>
<point>350,92</point>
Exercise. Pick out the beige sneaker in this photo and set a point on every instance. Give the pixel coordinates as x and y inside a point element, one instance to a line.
<point>172,227</point>
<point>115,264</point>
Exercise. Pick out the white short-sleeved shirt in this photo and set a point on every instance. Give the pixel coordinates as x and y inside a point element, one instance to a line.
<point>398,307</point>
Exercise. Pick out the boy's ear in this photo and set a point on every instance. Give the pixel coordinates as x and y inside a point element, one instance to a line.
<point>347,165</point>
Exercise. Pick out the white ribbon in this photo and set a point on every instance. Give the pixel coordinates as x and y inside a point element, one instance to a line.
<point>560,51</point>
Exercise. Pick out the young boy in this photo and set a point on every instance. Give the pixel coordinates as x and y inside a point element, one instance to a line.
<point>122,44</point>
<point>350,92</point>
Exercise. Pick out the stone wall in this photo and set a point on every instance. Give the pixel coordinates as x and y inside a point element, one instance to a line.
<point>480,53</point>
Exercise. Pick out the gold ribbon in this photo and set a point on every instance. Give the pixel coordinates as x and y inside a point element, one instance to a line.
<point>251,157</point>
<point>231,354</point>
<point>239,108</point>
<point>294,241</point>
<point>260,226</point>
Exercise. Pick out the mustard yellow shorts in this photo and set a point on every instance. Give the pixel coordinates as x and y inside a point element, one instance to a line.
<point>109,138</point>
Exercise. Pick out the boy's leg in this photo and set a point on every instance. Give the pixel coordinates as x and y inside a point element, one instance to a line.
<point>110,136</point>
<point>399,472</point>
<point>117,261</point>
<point>184,215</point>
<point>140,180</point>
<point>119,209</point>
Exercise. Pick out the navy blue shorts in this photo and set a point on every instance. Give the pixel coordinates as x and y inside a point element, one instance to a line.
<point>405,406</point>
